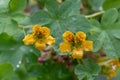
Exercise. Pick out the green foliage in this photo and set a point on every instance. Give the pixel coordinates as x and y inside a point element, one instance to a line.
<point>5,71</point>
<point>4,6</point>
<point>96,4</point>
<point>9,17</point>
<point>111,4</point>
<point>49,71</point>
<point>17,5</point>
<point>11,51</point>
<point>105,35</point>
<point>88,70</point>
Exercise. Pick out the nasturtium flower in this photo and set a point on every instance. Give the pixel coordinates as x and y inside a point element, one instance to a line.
<point>40,36</point>
<point>76,44</point>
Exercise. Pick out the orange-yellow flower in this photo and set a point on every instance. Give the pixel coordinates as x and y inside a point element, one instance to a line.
<point>80,37</point>
<point>114,64</point>
<point>29,39</point>
<point>40,46</point>
<point>40,36</point>
<point>68,37</point>
<point>87,45</point>
<point>75,43</point>
<point>77,53</point>
<point>65,47</point>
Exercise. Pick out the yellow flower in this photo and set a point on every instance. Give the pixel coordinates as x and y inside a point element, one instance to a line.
<point>65,47</point>
<point>114,64</point>
<point>40,46</point>
<point>36,28</point>
<point>80,37</point>
<point>45,31</point>
<point>29,39</point>
<point>77,44</point>
<point>87,45</point>
<point>111,74</point>
<point>77,53</point>
<point>50,40</point>
<point>41,32</point>
<point>68,37</point>
<point>40,36</point>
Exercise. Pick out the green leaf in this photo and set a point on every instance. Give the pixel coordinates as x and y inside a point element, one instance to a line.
<point>50,71</point>
<point>20,17</point>
<point>88,70</point>
<point>109,17</point>
<point>52,7</point>
<point>17,5</point>
<point>11,51</point>
<point>107,35</point>
<point>69,8</point>
<point>4,6</point>
<point>96,4</point>
<point>6,40</point>
<point>111,4</point>
<point>41,17</point>
<point>6,71</point>
<point>8,25</point>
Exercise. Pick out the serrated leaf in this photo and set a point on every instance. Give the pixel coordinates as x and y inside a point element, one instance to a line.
<point>111,4</point>
<point>109,17</point>
<point>106,36</point>
<point>41,17</point>
<point>69,8</point>
<point>17,5</point>
<point>52,7</point>
<point>99,41</point>
<point>89,69</point>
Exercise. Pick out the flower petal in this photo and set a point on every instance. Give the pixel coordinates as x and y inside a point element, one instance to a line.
<point>28,39</point>
<point>80,36</point>
<point>77,53</point>
<point>87,45</point>
<point>65,47</point>
<point>68,37</point>
<point>40,46</point>
<point>36,28</point>
<point>50,40</point>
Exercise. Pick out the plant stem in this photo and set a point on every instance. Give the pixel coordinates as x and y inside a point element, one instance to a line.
<point>95,14</point>
<point>25,27</point>
<point>105,62</point>
<point>79,61</point>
